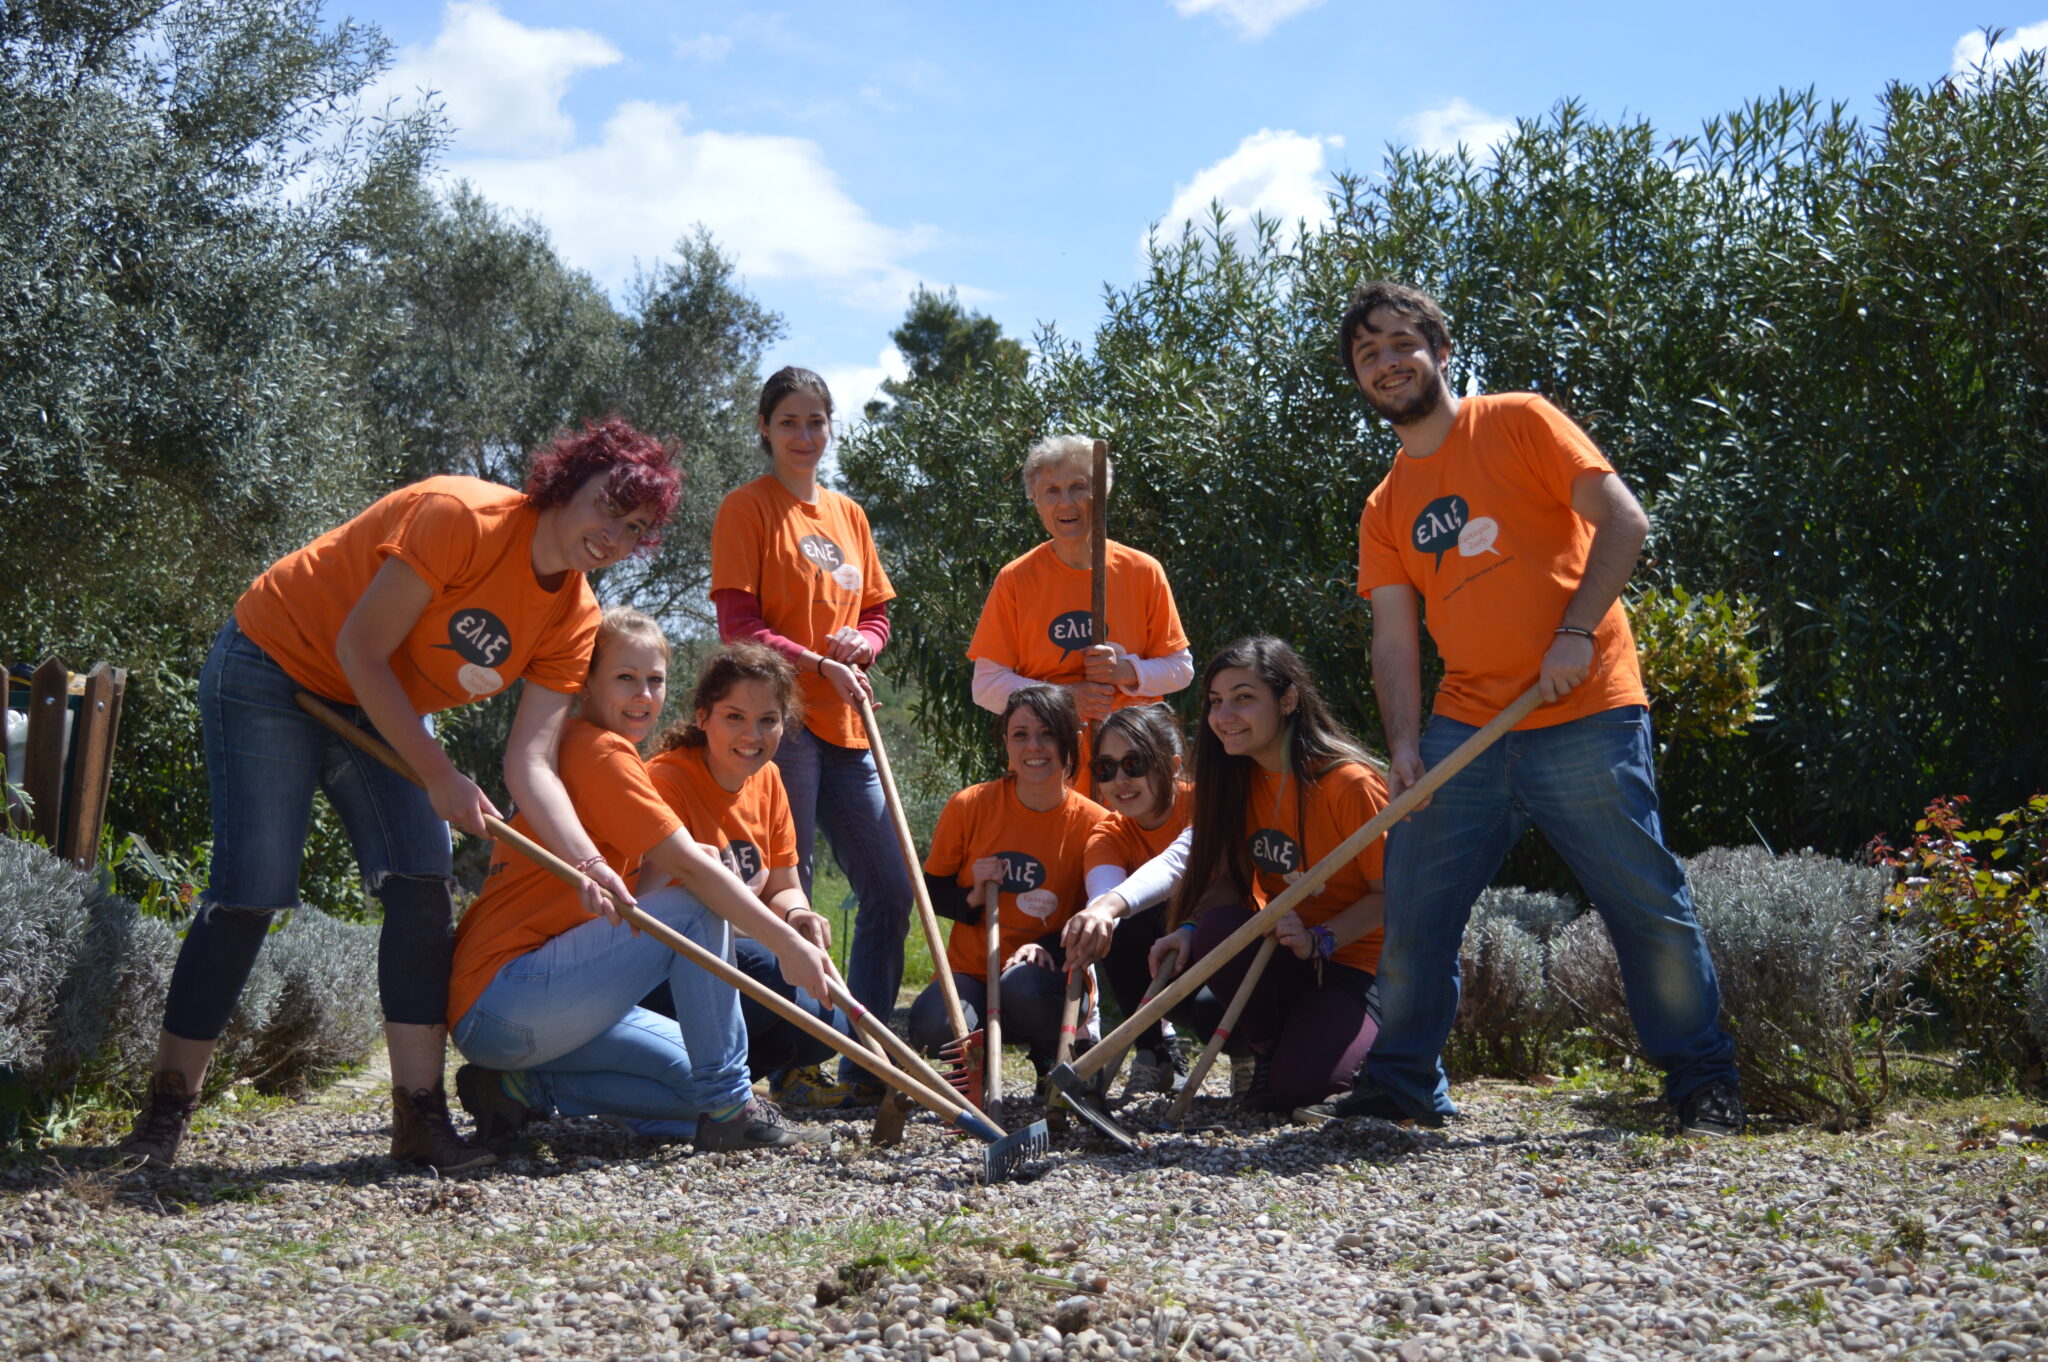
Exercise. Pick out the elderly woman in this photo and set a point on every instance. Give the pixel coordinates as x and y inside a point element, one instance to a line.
<point>1035,624</point>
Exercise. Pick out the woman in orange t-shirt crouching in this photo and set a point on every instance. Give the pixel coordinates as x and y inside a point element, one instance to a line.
<point>441,593</point>
<point>1027,831</point>
<point>1278,784</point>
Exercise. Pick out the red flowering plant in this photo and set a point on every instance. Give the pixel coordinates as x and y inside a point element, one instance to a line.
<point>1974,892</point>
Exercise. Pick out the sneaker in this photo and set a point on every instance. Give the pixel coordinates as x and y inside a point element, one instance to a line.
<point>161,1124</point>
<point>1713,1109</point>
<point>809,1089</point>
<point>495,1102</point>
<point>757,1125</point>
<point>1155,1071</point>
<point>1242,1068</point>
<point>1367,1099</point>
<point>423,1133</point>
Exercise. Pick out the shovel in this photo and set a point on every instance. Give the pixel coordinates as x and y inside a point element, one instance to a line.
<point>1070,1023</point>
<point>1005,1152</point>
<point>1072,1079</point>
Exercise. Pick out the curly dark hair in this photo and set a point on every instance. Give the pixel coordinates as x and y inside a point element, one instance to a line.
<point>722,671</point>
<point>639,470</point>
<point>1402,299</point>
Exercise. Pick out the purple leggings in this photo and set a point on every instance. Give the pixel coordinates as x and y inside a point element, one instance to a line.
<point>1314,1036</point>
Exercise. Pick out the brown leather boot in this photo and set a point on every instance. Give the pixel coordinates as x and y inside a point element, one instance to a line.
<point>161,1124</point>
<point>422,1133</point>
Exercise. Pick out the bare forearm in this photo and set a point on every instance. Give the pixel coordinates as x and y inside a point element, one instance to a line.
<point>380,696</point>
<point>536,787</point>
<point>1362,918</point>
<point>1397,682</point>
<point>1610,562</point>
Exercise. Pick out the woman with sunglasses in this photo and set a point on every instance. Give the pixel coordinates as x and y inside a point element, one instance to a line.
<point>1278,784</point>
<point>1027,831</point>
<point>1137,770</point>
<point>1035,624</point>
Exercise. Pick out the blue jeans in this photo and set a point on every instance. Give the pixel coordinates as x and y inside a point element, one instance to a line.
<point>264,758</point>
<point>564,1016</point>
<point>774,1043</point>
<point>836,788</point>
<point>1588,786</point>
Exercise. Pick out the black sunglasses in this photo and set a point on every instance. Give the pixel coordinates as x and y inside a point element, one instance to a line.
<point>1105,768</point>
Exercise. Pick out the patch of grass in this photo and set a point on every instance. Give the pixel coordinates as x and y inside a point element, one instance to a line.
<point>833,896</point>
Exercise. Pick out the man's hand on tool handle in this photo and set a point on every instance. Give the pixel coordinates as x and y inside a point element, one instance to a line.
<point>1088,933</point>
<point>1567,662</point>
<point>1175,947</point>
<point>1405,768</point>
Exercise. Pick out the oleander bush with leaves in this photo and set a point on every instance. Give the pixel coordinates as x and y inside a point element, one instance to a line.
<point>83,974</point>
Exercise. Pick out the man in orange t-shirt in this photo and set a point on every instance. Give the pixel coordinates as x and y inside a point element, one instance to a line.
<point>1507,524</point>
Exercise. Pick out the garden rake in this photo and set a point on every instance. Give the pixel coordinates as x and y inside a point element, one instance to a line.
<point>1004,1153</point>
<point>1073,1079</point>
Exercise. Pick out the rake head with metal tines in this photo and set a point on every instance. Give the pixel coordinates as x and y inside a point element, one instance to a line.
<point>1004,1155</point>
<point>1080,1096</point>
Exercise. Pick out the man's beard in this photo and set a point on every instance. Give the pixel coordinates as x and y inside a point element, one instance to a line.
<point>1421,404</point>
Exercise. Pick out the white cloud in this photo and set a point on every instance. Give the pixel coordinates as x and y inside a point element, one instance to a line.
<point>705,47</point>
<point>1253,19</point>
<point>1283,175</point>
<point>1455,124</point>
<point>1971,51</point>
<point>501,82</point>
<point>855,385</point>
<point>649,177</point>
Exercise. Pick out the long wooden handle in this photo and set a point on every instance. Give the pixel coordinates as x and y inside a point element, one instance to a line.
<point>992,1015</point>
<point>870,1060</point>
<point>1345,851</point>
<point>1070,1013</point>
<point>1098,569</point>
<point>956,1015</point>
<point>871,1026</point>
<point>1179,1110</point>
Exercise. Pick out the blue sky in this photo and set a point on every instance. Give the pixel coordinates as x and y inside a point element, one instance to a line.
<point>844,153</point>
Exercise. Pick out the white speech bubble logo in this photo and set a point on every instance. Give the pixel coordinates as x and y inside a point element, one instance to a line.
<point>1477,537</point>
<point>1040,903</point>
<point>480,680</point>
<point>848,577</point>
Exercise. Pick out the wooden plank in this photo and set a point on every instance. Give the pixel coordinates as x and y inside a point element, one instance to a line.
<point>92,748</point>
<point>43,764</point>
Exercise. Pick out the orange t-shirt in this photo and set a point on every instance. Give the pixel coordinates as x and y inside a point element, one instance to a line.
<point>1043,887</point>
<point>1484,529</point>
<point>1126,843</point>
<point>813,568</point>
<point>1037,617</point>
<point>751,826</point>
<point>523,907</point>
<point>489,622</point>
<point>1276,824</point>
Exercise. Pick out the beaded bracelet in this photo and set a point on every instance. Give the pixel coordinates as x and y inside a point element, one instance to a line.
<point>1326,941</point>
<point>594,858</point>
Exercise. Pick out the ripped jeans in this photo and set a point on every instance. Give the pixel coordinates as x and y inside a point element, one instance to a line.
<point>264,758</point>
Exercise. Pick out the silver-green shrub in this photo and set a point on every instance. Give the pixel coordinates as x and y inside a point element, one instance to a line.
<point>2037,984</point>
<point>1813,978</point>
<point>1509,1021</point>
<point>83,974</point>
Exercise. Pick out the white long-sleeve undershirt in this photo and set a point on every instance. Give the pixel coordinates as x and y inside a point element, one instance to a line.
<point>1151,882</point>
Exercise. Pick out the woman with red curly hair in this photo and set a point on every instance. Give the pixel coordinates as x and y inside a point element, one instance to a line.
<point>440,594</point>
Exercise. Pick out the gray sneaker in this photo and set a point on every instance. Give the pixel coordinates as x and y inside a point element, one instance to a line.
<point>757,1125</point>
<point>1243,1069</point>
<point>1154,1071</point>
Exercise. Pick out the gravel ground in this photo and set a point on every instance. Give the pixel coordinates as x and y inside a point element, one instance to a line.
<point>1538,1226</point>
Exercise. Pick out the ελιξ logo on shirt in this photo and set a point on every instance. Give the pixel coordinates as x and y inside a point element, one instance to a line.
<point>1075,629</point>
<point>831,560</point>
<point>1448,523</point>
<point>1275,852</point>
<point>482,641</point>
<point>744,860</point>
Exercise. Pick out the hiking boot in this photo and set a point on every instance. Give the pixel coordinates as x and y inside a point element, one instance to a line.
<point>161,1124</point>
<point>423,1133</point>
<point>757,1125</point>
<point>1367,1099</point>
<point>491,1098</point>
<point>1155,1071</point>
<point>1257,1094</point>
<point>1242,1069</point>
<point>810,1088</point>
<point>1713,1109</point>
